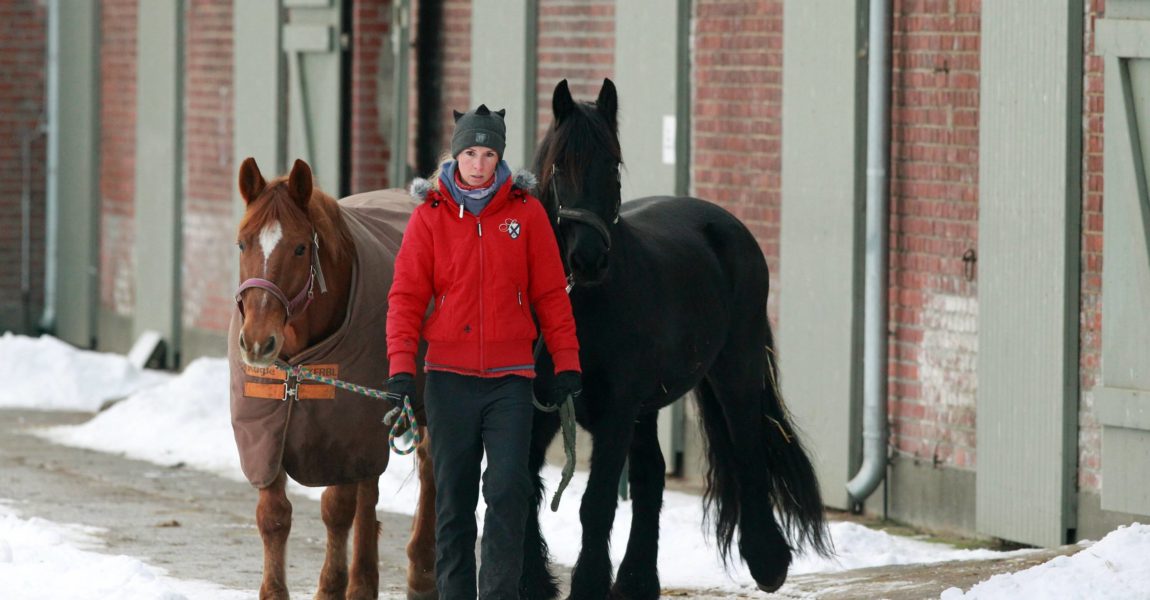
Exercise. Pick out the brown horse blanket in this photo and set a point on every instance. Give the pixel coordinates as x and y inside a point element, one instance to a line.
<point>328,436</point>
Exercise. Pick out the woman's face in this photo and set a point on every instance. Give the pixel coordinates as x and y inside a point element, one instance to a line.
<point>477,164</point>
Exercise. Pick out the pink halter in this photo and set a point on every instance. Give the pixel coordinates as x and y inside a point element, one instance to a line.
<point>300,302</point>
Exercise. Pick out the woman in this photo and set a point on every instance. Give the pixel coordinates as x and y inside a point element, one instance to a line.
<point>481,247</point>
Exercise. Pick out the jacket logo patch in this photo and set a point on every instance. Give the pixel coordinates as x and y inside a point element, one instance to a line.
<point>510,227</point>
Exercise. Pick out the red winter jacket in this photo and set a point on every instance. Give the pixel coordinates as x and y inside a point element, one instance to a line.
<point>485,274</point>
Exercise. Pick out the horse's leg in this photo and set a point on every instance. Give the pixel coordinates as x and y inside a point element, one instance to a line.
<point>338,508</point>
<point>732,416</point>
<point>273,517</point>
<point>536,582</point>
<point>591,577</point>
<point>421,546</point>
<point>638,576</point>
<point>363,580</point>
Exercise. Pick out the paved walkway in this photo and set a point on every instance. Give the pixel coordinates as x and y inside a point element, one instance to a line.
<point>195,525</point>
<point>191,523</point>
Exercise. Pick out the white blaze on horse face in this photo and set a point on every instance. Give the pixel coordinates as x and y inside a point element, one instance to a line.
<point>270,236</point>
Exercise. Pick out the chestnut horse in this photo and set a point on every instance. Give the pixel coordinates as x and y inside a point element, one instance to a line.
<point>301,270</point>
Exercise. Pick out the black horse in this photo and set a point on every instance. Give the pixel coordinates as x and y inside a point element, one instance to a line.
<point>670,295</point>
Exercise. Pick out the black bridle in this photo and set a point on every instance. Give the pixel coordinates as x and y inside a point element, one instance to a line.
<point>584,216</point>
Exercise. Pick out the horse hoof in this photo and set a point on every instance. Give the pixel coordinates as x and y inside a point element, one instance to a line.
<point>431,594</point>
<point>773,585</point>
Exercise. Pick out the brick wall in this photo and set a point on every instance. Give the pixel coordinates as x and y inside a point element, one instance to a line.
<point>577,43</point>
<point>22,105</point>
<point>117,154</point>
<point>454,80</point>
<point>934,221</point>
<point>1090,322</point>
<point>736,126</point>
<point>371,47</point>
<point>208,220</point>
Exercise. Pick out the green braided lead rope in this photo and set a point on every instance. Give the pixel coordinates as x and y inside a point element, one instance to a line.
<point>406,414</point>
<point>406,421</point>
<point>567,419</point>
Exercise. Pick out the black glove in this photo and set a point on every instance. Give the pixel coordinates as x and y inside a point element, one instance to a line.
<point>567,383</point>
<point>402,385</point>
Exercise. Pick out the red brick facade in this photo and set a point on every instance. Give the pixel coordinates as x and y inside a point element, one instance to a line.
<point>934,222</point>
<point>117,154</point>
<point>455,75</point>
<point>209,181</point>
<point>1090,322</point>
<point>736,136</point>
<point>456,82</point>
<point>736,116</point>
<point>209,214</point>
<point>371,45</point>
<point>22,147</point>
<point>577,43</point>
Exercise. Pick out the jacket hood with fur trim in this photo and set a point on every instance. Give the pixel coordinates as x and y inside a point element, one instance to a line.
<point>522,180</point>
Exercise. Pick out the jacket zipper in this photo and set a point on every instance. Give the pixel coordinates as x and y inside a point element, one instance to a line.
<point>482,278</point>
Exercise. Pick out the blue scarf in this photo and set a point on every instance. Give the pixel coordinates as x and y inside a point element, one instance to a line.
<point>473,200</point>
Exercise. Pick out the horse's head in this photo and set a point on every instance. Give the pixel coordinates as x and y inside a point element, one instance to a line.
<point>279,258</point>
<point>578,165</point>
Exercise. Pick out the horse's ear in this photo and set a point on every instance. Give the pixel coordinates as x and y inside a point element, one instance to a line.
<point>299,183</point>
<point>251,181</point>
<point>562,104</point>
<point>608,102</point>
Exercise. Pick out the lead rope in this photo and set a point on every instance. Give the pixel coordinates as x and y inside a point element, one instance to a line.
<point>566,410</point>
<point>406,415</point>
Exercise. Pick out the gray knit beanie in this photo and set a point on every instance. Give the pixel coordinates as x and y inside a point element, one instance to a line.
<point>479,127</point>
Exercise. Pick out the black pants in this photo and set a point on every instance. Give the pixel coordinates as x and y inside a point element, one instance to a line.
<point>467,416</point>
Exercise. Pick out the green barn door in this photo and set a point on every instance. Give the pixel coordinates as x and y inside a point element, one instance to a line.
<point>651,67</point>
<point>315,41</point>
<point>1122,402</point>
<point>1030,123</point>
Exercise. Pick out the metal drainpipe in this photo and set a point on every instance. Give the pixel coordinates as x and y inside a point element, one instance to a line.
<point>51,209</point>
<point>875,307</point>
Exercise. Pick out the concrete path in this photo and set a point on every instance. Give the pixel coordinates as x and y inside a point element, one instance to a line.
<point>200,526</point>
<point>194,525</point>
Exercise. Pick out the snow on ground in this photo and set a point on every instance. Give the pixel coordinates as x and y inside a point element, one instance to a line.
<point>1114,568</point>
<point>48,374</point>
<point>170,419</point>
<point>44,560</point>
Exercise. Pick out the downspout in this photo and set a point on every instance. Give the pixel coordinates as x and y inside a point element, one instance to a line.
<point>875,307</point>
<point>51,200</point>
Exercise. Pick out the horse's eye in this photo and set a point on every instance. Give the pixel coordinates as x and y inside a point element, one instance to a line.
<point>240,245</point>
<point>299,250</point>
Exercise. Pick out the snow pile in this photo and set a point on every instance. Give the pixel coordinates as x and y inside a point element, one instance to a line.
<point>185,419</point>
<point>1116,568</point>
<point>48,374</point>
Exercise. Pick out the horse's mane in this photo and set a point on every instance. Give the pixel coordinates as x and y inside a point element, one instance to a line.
<point>274,204</point>
<point>565,149</point>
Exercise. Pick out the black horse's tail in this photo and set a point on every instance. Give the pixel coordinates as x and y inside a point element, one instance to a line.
<point>792,485</point>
